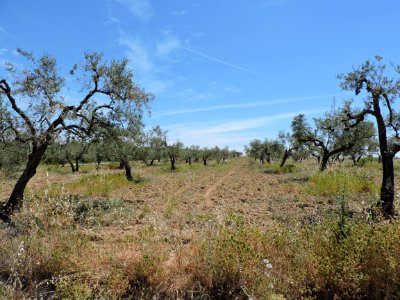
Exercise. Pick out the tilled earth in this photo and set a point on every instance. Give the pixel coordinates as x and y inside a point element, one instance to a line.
<point>187,200</point>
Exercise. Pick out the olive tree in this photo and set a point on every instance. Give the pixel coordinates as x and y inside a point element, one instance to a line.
<point>191,153</point>
<point>235,154</point>
<point>174,151</point>
<point>75,149</point>
<point>264,151</point>
<point>37,109</point>
<point>331,135</point>
<point>380,93</point>
<point>123,145</point>
<point>255,150</point>
<point>216,153</point>
<point>288,142</point>
<point>206,154</point>
<point>272,149</point>
<point>225,153</point>
<point>153,146</point>
<point>362,146</point>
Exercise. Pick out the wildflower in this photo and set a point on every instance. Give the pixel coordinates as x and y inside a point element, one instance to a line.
<point>267,264</point>
<point>267,267</point>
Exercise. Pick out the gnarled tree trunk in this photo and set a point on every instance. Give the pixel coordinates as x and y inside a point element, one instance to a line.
<point>77,164</point>
<point>72,166</point>
<point>128,169</point>
<point>17,195</point>
<point>387,188</point>
<point>172,160</point>
<point>324,162</point>
<point>285,157</point>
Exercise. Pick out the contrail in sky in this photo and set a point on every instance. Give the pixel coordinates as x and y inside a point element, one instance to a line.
<point>243,105</point>
<point>223,62</point>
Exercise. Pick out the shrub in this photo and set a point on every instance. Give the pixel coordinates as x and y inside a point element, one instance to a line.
<point>230,265</point>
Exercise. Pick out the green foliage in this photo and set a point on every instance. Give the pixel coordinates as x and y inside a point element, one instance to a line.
<point>68,289</point>
<point>12,157</point>
<point>267,150</point>
<point>347,267</point>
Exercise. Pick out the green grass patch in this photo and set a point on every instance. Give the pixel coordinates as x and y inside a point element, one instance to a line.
<point>170,205</point>
<point>275,168</point>
<point>341,183</point>
<point>181,167</point>
<point>369,161</point>
<point>98,185</point>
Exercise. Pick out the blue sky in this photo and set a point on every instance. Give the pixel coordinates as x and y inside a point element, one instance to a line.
<point>222,72</point>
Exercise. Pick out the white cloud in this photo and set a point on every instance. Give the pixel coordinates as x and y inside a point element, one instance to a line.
<point>112,20</point>
<point>208,91</point>
<point>137,53</point>
<point>242,105</point>
<point>168,45</point>
<point>144,58</point>
<point>225,133</point>
<point>179,12</point>
<point>141,9</point>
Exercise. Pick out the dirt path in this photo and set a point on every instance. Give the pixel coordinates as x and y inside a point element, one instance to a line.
<point>214,186</point>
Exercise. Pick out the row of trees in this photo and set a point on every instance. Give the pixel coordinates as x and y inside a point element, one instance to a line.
<point>148,148</point>
<point>330,140</point>
<point>346,131</point>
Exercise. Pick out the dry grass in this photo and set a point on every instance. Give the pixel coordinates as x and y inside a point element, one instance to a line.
<point>227,231</point>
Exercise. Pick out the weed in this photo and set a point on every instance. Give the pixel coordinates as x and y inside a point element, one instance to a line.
<point>170,207</point>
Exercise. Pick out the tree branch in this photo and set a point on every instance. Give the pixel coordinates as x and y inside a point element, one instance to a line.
<point>358,117</point>
<point>4,86</point>
<point>385,96</point>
